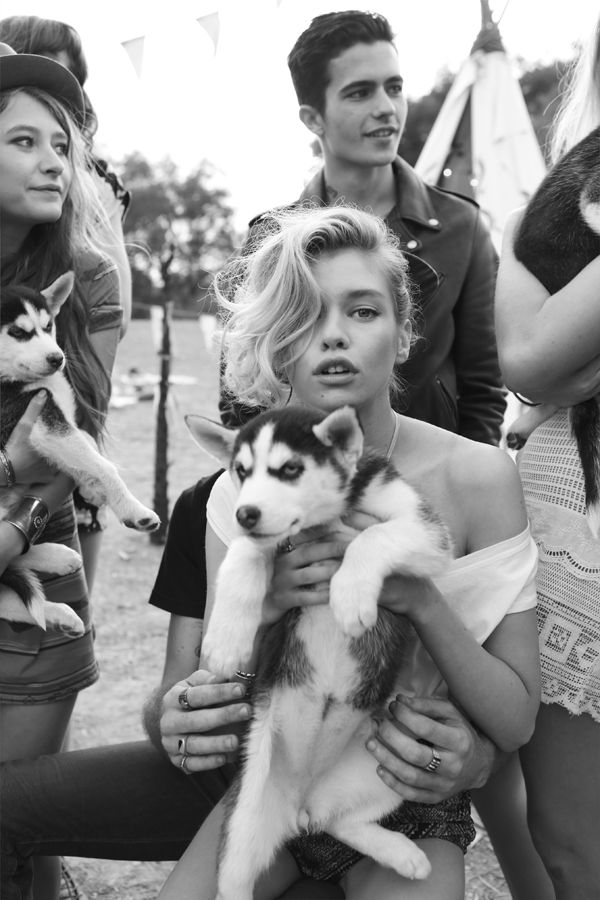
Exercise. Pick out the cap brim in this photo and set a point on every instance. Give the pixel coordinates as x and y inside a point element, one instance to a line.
<point>29,70</point>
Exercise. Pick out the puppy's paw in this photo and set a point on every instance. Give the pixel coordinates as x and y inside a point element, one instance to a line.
<point>55,559</point>
<point>228,641</point>
<point>60,617</point>
<point>414,865</point>
<point>515,441</point>
<point>140,517</point>
<point>352,604</point>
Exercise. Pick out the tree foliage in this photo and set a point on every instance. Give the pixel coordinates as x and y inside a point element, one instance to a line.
<point>191,215</point>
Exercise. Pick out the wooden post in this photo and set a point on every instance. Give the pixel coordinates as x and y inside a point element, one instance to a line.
<point>161,454</point>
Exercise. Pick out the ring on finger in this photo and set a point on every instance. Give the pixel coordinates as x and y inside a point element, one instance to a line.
<point>182,745</point>
<point>435,761</point>
<point>184,760</point>
<point>183,700</point>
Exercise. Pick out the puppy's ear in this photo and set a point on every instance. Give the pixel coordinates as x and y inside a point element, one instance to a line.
<point>212,437</point>
<point>58,291</point>
<point>341,430</point>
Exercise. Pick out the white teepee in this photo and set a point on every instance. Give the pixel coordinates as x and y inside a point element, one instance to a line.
<point>482,142</point>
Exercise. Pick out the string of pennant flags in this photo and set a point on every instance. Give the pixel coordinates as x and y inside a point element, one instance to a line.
<point>134,47</point>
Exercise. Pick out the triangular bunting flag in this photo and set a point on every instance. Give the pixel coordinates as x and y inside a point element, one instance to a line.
<point>135,51</point>
<point>211,25</point>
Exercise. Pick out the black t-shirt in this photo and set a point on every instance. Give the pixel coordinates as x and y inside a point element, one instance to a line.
<point>180,586</point>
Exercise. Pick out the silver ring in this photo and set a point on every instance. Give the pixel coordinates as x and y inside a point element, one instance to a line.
<point>182,745</point>
<point>435,761</point>
<point>289,547</point>
<point>184,759</point>
<point>183,700</point>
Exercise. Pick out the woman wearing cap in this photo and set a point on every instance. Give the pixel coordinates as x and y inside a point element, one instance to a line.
<point>61,42</point>
<point>49,223</point>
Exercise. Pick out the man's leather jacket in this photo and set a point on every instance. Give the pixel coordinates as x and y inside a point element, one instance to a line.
<point>452,378</point>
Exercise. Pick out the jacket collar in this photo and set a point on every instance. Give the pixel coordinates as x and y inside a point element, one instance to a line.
<point>412,199</point>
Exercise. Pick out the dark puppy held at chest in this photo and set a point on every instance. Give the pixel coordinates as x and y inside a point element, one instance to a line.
<point>559,233</point>
<point>558,236</point>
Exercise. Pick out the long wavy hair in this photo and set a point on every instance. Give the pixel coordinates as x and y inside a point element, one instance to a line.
<point>271,300</point>
<point>579,111</point>
<point>55,247</point>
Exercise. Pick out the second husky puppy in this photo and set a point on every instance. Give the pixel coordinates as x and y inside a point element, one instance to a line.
<point>324,670</point>
<point>30,359</point>
<point>555,247</point>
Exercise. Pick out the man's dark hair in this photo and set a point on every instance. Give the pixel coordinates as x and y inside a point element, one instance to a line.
<point>326,38</point>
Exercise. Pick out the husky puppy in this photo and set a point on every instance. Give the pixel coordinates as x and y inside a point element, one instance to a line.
<point>324,670</point>
<point>30,359</point>
<point>559,235</point>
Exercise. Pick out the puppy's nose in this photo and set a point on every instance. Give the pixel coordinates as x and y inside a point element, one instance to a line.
<point>248,516</point>
<point>55,360</point>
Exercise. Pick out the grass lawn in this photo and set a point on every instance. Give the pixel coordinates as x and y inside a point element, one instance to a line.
<point>130,635</point>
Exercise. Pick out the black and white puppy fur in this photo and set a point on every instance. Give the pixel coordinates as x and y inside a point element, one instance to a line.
<point>30,359</point>
<point>326,670</point>
<point>557,237</point>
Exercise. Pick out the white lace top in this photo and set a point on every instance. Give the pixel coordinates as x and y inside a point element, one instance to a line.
<point>568,581</point>
<point>482,587</point>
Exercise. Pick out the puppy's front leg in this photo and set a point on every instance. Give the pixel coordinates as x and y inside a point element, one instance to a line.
<point>242,584</point>
<point>74,452</point>
<point>416,547</point>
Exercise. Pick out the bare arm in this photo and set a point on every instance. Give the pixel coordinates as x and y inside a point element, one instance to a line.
<point>497,685</point>
<point>547,344</point>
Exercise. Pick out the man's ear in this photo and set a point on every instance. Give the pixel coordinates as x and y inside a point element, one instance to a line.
<point>311,118</point>
<point>212,437</point>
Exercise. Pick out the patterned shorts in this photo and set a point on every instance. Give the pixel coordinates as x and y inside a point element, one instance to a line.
<point>324,858</point>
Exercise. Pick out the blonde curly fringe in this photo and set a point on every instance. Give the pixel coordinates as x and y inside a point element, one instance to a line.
<point>271,301</point>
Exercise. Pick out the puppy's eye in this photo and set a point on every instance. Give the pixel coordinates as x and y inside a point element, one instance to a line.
<point>240,471</point>
<point>291,470</point>
<point>19,333</point>
<point>48,328</point>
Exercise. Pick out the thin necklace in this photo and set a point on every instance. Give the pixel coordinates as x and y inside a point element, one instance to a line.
<point>394,439</point>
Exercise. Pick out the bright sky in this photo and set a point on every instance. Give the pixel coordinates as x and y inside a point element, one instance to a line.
<point>237,107</point>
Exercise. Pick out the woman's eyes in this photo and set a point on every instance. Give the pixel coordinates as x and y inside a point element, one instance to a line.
<point>60,147</point>
<point>365,312</point>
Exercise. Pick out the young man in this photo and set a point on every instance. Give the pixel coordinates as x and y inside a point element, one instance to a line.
<point>346,73</point>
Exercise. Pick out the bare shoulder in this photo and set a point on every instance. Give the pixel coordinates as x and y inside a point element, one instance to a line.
<point>487,480</point>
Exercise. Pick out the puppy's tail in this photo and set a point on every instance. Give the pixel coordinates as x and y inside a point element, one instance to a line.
<point>30,597</point>
<point>585,424</point>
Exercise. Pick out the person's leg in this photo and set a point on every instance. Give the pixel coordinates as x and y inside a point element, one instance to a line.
<point>367,880</point>
<point>26,732</point>
<point>195,875</point>
<point>90,542</point>
<point>502,805</point>
<point>562,775</point>
<point>121,802</point>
